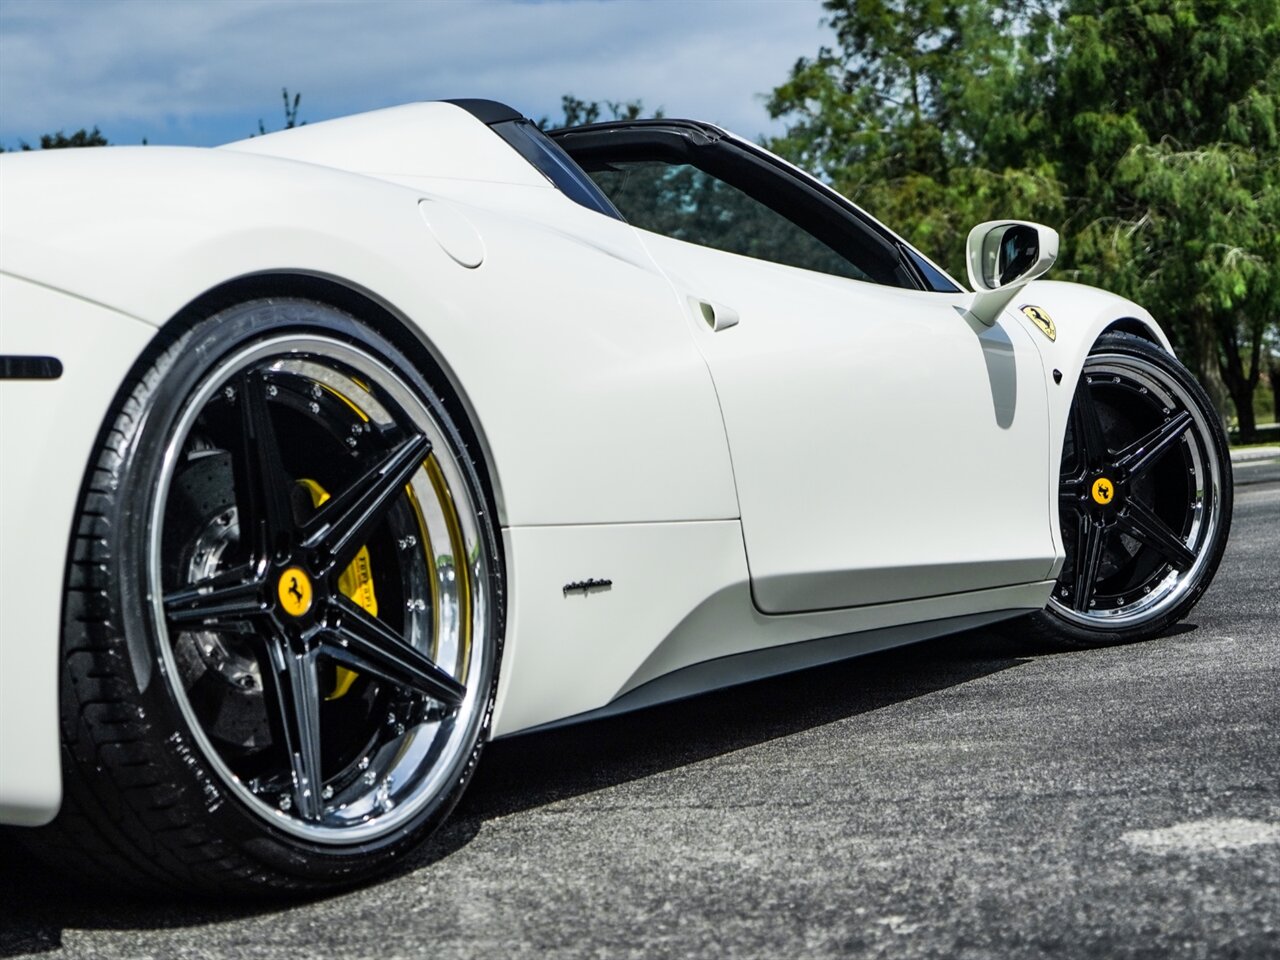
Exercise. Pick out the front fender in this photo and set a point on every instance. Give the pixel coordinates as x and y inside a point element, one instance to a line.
<point>48,432</point>
<point>1080,315</point>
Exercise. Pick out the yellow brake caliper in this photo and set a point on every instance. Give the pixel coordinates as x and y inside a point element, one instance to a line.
<point>356,583</point>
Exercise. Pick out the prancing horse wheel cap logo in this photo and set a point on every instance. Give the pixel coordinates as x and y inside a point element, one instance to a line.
<point>1103,491</point>
<point>295,592</point>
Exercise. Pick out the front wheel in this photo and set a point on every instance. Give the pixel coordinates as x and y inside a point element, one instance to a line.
<point>283,615</point>
<point>1144,498</point>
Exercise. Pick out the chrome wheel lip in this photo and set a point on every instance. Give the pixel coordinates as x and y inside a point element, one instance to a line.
<point>465,723</point>
<point>1207,512</point>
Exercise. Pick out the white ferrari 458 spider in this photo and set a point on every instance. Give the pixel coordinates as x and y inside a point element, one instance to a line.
<point>332,454</point>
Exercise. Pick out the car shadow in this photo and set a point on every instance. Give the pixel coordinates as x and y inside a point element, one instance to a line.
<point>525,772</point>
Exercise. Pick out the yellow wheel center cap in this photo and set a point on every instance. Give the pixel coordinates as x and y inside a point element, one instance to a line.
<point>295,592</point>
<point>1103,491</point>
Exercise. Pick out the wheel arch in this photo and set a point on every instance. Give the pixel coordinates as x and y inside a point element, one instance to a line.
<point>1132,325</point>
<point>389,321</point>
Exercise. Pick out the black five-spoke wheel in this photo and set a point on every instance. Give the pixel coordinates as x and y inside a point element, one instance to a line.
<point>1144,496</point>
<point>299,549</point>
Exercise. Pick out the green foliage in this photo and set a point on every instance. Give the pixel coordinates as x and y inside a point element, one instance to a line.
<point>60,141</point>
<point>929,114</point>
<point>1170,115</point>
<point>1148,131</point>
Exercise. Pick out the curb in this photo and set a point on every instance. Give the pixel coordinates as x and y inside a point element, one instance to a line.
<point>1248,454</point>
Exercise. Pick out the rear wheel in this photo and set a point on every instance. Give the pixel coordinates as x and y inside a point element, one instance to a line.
<point>1144,498</point>
<point>284,611</point>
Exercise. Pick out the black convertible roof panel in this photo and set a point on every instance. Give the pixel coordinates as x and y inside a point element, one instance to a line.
<point>487,111</point>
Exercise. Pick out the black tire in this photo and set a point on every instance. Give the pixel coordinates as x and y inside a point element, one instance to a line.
<point>208,744</point>
<point>1145,499</point>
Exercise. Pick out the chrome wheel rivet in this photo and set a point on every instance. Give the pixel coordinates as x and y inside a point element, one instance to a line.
<point>327,793</point>
<point>286,801</point>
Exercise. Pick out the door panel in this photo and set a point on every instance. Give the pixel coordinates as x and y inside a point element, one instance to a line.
<point>884,447</point>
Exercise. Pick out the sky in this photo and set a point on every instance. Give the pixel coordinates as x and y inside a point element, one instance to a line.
<point>203,72</point>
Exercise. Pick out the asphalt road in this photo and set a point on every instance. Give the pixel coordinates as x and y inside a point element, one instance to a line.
<point>969,797</point>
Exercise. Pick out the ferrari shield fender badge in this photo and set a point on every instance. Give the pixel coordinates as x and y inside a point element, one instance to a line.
<point>1042,320</point>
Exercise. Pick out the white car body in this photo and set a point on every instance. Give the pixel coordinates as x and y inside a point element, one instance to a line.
<point>808,484</point>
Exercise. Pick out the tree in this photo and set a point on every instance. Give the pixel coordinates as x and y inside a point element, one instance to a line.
<point>1168,119</point>
<point>576,112</point>
<point>290,113</point>
<point>59,140</point>
<point>928,114</point>
<point>1146,130</point>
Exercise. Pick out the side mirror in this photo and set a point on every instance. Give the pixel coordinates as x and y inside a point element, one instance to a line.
<point>1003,256</point>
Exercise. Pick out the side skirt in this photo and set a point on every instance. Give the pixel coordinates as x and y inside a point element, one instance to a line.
<point>770,662</point>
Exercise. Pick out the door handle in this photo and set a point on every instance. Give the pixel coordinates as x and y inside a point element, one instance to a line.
<point>717,315</point>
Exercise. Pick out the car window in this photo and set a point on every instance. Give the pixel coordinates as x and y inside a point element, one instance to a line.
<point>681,201</point>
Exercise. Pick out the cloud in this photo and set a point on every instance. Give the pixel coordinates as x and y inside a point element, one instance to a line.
<point>204,72</point>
